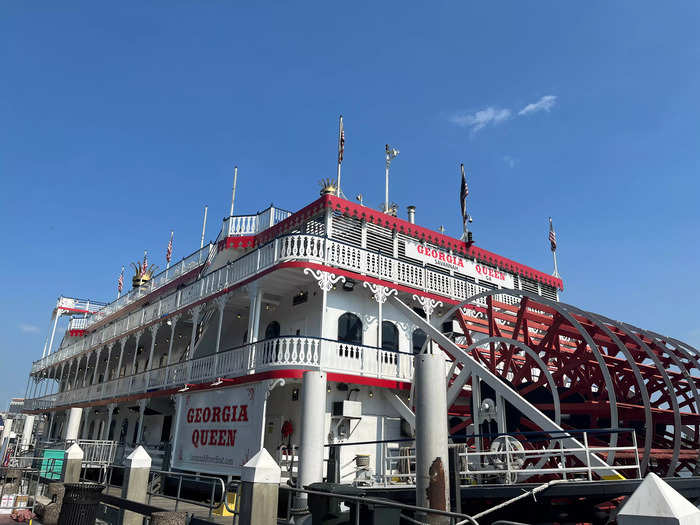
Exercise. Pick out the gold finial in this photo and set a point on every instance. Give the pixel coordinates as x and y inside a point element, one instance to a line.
<point>328,187</point>
<point>142,272</point>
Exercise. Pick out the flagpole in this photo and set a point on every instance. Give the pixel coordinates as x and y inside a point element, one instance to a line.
<point>204,227</point>
<point>553,245</point>
<point>233,195</point>
<point>341,145</point>
<point>465,219</point>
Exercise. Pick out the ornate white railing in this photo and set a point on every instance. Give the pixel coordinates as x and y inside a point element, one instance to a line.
<point>253,224</point>
<point>270,354</point>
<point>286,248</point>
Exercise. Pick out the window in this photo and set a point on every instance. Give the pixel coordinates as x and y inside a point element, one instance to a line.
<point>350,329</point>
<point>418,340</point>
<point>272,330</point>
<point>390,336</point>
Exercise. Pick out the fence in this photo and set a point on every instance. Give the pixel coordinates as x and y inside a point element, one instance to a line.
<point>508,461</point>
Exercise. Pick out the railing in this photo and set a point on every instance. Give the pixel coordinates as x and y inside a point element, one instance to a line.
<point>77,323</point>
<point>188,263</point>
<point>281,249</point>
<point>181,488</point>
<point>254,224</point>
<point>508,461</point>
<point>269,354</point>
<point>71,303</point>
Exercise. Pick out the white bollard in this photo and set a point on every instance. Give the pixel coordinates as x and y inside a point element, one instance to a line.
<point>135,486</point>
<point>74,464</point>
<point>313,422</point>
<point>260,490</point>
<point>432,463</point>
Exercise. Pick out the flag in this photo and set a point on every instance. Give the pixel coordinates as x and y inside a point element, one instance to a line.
<point>552,236</point>
<point>463,192</point>
<point>120,282</point>
<point>145,262</point>
<point>169,252</point>
<point>341,141</point>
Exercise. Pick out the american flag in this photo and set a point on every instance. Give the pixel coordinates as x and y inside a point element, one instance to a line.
<point>463,192</point>
<point>120,282</point>
<point>552,236</point>
<point>341,141</point>
<point>169,252</point>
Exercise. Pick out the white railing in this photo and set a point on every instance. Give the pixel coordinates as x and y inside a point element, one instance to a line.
<point>77,323</point>
<point>269,354</point>
<point>286,248</point>
<point>254,224</point>
<point>515,464</point>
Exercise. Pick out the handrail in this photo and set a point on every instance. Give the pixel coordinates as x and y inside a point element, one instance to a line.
<point>294,351</point>
<point>287,247</point>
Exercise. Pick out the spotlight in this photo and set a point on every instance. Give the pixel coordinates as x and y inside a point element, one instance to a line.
<point>371,394</point>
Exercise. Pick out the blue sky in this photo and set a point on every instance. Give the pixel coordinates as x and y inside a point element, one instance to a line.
<point>120,122</point>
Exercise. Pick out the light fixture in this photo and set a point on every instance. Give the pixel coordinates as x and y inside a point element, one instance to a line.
<point>169,322</point>
<point>238,316</point>
<point>349,285</point>
<point>371,394</point>
<point>184,388</point>
<point>328,389</point>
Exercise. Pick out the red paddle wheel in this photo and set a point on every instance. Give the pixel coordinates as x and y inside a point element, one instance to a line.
<point>586,371</point>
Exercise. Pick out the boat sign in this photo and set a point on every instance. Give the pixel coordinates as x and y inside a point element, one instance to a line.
<point>449,261</point>
<point>219,430</point>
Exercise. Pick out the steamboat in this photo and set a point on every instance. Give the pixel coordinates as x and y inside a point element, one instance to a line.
<point>304,334</point>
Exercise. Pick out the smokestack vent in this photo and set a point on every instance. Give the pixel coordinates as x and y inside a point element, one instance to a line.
<point>411,214</point>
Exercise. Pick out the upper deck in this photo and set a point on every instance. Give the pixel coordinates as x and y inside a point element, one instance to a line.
<point>330,233</point>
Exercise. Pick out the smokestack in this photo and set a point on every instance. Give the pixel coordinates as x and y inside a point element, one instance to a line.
<point>411,214</point>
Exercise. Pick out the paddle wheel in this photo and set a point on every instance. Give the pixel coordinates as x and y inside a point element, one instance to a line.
<point>584,371</point>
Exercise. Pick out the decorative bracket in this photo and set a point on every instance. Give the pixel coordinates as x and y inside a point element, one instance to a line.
<point>427,304</point>
<point>380,292</point>
<point>325,280</point>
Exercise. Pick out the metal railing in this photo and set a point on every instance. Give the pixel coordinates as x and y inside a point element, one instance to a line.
<point>268,354</point>
<point>284,248</point>
<point>411,513</point>
<point>182,489</point>
<point>508,461</point>
<point>21,481</point>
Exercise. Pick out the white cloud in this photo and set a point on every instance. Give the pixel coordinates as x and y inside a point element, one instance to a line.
<point>510,161</point>
<point>482,118</point>
<point>28,328</point>
<point>546,103</point>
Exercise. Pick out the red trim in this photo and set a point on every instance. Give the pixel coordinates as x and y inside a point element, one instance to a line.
<point>77,333</point>
<point>291,373</point>
<point>243,241</point>
<point>412,230</point>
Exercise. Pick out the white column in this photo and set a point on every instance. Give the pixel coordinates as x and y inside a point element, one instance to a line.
<point>109,359</point>
<point>154,332</point>
<point>431,434</point>
<point>195,320</point>
<point>97,365</point>
<point>27,432</point>
<point>221,305</point>
<point>313,423</point>
<point>121,356</point>
<point>173,322</point>
<point>142,409</point>
<point>105,430</point>
<point>136,352</point>
<point>252,310</point>
<point>73,424</point>
<point>85,431</point>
